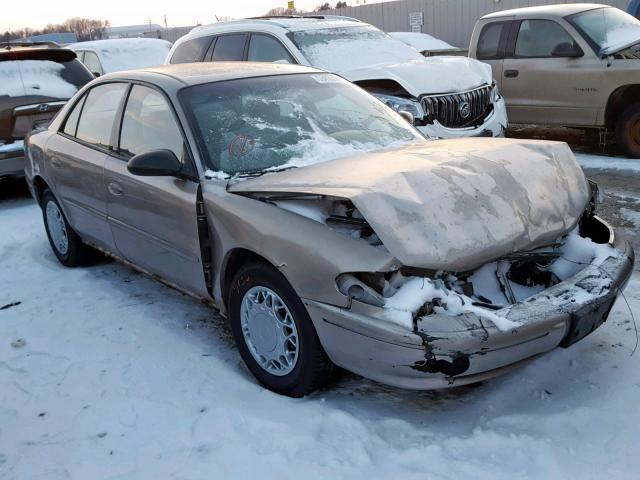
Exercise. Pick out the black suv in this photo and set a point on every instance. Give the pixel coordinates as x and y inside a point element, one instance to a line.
<point>36,80</point>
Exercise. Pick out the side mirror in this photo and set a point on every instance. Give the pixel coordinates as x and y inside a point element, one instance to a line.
<point>567,50</point>
<point>408,116</point>
<point>156,163</point>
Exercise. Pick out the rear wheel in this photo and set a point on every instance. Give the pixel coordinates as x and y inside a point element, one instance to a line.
<point>628,131</point>
<point>65,243</point>
<point>274,334</point>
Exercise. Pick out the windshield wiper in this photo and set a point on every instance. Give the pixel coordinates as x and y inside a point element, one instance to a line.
<point>258,172</point>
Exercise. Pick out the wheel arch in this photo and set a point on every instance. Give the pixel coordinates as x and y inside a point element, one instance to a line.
<point>235,259</point>
<point>39,186</point>
<point>620,98</point>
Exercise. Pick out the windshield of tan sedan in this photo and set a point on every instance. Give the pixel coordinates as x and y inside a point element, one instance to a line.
<point>346,48</point>
<point>608,28</point>
<point>275,122</point>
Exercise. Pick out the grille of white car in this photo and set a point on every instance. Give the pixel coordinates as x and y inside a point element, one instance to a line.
<point>459,110</point>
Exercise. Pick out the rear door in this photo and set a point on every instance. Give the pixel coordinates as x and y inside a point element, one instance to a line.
<point>153,219</point>
<point>77,156</point>
<point>546,89</point>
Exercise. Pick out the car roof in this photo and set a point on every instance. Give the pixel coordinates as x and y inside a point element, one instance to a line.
<point>290,23</point>
<point>562,10</point>
<point>188,74</point>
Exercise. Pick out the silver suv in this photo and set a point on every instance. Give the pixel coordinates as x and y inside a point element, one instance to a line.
<point>447,96</point>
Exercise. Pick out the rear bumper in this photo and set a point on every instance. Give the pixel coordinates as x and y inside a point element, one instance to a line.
<point>446,351</point>
<point>12,160</point>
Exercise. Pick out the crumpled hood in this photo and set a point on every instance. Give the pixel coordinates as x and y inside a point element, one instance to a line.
<point>451,204</point>
<point>432,75</point>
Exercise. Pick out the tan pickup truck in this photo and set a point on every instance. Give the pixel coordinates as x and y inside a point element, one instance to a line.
<point>574,65</point>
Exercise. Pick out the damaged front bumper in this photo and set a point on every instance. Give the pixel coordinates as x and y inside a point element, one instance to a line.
<point>493,126</point>
<point>446,351</point>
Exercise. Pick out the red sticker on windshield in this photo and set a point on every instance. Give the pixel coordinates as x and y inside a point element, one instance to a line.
<point>241,145</point>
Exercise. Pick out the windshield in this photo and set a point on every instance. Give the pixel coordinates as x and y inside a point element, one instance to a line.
<point>257,124</point>
<point>346,48</point>
<point>608,28</point>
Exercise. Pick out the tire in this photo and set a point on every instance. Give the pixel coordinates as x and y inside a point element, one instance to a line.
<point>311,369</point>
<point>65,242</point>
<point>628,131</point>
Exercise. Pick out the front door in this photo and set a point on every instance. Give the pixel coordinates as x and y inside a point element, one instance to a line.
<point>542,88</point>
<point>153,219</point>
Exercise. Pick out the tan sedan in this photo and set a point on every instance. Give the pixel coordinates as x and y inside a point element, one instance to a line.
<point>325,227</point>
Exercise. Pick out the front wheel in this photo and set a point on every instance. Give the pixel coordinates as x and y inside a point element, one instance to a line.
<point>274,333</point>
<point>65,243</point>
<point>628,131</point>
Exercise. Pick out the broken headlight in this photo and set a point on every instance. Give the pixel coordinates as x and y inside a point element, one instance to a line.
<point>400,104</point>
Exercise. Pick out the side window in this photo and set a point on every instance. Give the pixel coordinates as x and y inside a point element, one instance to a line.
<point>148,124</point>
<point>538,38</point>
<point>71,123</point>
<point>99,112</point>
<point>92,62</point>
<point>229,47</point>
<point>489,41</point>
<point>191,50</point>
<point>264,48</point>
<point>80,55</point>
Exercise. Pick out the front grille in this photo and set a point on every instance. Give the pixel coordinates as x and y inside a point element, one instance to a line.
<point>459,110</point>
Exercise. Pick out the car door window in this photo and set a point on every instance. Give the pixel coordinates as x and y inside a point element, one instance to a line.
<point>230,47</point>
<point>538,38</point>
<point>191,50</point>
<point>264,48</point>
<point>71,123</point>
<point>489,41</point>
<point>99,112</point>
<point>92,62</point>
<point>149,124</point>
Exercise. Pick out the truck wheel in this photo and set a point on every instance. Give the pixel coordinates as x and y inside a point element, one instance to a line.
<point>65,243</point>
<point>628,131</point>
<point>274,334</point>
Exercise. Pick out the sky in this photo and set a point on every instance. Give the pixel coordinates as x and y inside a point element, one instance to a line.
<point>133,12</point>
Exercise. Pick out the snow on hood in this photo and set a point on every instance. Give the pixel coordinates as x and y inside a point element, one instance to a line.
<point>421,41</point>
<point>430,75</point>
<point>121,54</point>
<point>34,77</point>
<point>451,205</point>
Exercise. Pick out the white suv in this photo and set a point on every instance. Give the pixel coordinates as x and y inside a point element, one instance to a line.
<point>447,96</point>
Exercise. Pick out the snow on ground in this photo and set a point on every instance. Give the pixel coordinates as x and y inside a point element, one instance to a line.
<point>106,374</point>
<point>602,162</point>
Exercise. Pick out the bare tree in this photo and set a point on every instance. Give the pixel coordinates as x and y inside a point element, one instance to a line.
<point>84,28</point>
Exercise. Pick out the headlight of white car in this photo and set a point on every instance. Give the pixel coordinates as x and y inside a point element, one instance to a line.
<point>400,104</point>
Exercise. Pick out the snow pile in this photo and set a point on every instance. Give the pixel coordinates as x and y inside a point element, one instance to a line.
<point>407,295</point>
<point>602,162</point>
<point>421,41</point>
<point>12,147</point>
<point>120,54</point>
<point>577,252</point>
<point>34,77</point>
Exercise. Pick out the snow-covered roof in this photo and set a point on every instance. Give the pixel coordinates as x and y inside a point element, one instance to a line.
<point>127,53</point>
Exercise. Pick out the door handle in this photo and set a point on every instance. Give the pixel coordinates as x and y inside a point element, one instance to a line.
<point>511,73</point>
<point>115,189</point>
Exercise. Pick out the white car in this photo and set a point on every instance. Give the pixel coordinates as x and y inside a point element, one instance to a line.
<point>447,96</point>
<point>119,54</point>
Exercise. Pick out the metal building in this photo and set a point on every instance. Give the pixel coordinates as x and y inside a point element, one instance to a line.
<point>448,20</point>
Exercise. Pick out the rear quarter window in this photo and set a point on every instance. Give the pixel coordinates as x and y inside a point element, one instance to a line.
<point>191,50</point>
